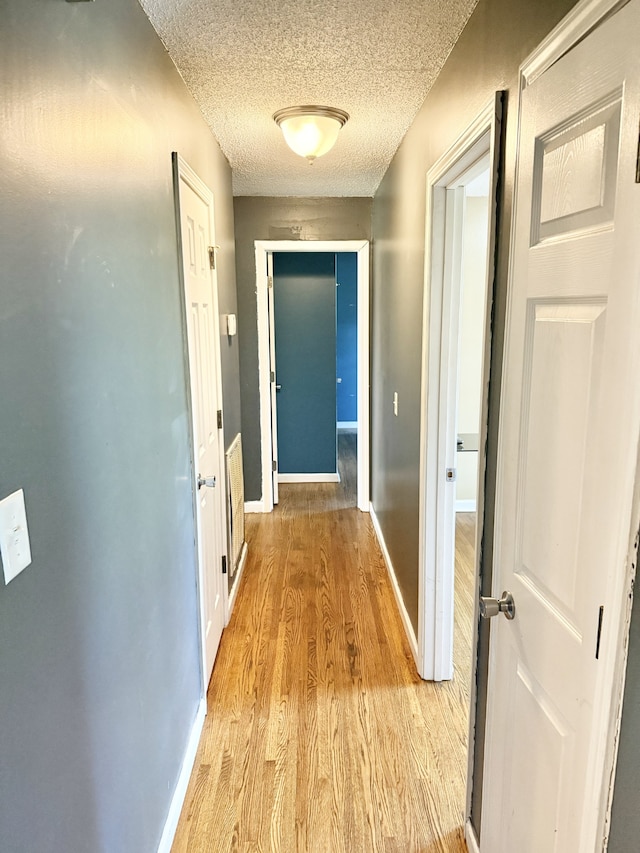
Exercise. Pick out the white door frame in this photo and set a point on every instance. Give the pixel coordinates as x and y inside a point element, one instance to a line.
<point>575,26</point>
<point>272,385</point>
<point>183,172</point>
<point>361,248</point>
<point>438,400</point>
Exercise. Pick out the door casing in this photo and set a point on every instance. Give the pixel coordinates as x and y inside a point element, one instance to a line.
<point>262,249</point>
<point>438,403</point>
<point>183,172</point>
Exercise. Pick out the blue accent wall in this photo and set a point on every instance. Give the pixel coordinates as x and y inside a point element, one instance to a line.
<point>347,336</point>
<point>304,288</point>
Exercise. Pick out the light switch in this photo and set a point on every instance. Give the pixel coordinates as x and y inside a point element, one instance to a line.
<point>14,536</point>
<point>232,326</point>
<point>395,403</point>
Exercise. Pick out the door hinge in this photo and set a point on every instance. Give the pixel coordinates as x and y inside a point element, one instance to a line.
<point>219,418</point>
<point>270,281</point>
<point>274,465</point>
<point>224,564</point>
<point>638,161</point>
<point>273,376</point>
<point>212,257</point>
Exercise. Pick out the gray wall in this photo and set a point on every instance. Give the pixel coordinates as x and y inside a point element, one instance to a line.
<point>99,648</point>
<point>497,38</point>
<point>261,218</point>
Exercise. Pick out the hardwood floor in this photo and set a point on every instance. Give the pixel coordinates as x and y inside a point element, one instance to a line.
<point>320,736</point>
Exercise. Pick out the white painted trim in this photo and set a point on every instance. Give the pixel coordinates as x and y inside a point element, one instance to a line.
<point>362,249</point>
<point>363,378</point>
<point>273,387</point>
<point>468,505</point>
<point>264,377</point>
<point>177,800</point>
<point>408,627</point>
<point>471,838</point>
<point>233,595</point>
<point>578,23</point>
<point>347,424</point>
<point>309,478</point>
<point>188,175</point>
<point>437,445</point>
<point>254,506</point>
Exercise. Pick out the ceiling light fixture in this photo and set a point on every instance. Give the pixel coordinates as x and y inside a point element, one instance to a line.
<point>310,131</point>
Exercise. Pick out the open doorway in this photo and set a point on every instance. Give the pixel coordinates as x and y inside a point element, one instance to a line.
<point>265,251</point>
<point>460,243</point>
<point>313,349</point>
<point>456,367</point>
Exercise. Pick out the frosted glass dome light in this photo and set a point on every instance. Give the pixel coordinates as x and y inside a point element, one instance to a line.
<point>310,131</point>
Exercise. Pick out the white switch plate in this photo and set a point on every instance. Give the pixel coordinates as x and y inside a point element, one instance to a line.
<point>14,536</point>
<point>395,403</point>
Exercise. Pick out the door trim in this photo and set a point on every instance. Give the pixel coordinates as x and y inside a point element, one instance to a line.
<point>584,18</point>
<point>361,248</point>
<point>435,590</point>
<point>578,23</point>
<point>470,837</point>
<point>183,172</point>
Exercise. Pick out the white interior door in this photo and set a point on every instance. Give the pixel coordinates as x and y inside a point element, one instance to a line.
<point>202,329</point>
<point>273,386</point>
<point>568,449</point>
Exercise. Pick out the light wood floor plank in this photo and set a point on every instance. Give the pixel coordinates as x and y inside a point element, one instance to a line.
<point>320,736</point>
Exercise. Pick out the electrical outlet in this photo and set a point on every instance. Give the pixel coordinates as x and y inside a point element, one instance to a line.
<point>14,536</point>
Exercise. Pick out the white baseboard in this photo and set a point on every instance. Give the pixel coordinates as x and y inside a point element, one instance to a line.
<point>254,506</point>
<point>236,581</point>
<point>309,478</point>
<point>177,801</point>
<point>468,505</point>
<point>471,838</point>
<point>408,627</point>
<point>347,424</point>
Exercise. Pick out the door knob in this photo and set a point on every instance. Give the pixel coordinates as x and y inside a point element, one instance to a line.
<point>206,481</point>
<point>490,607</point>
<point>278,387</point>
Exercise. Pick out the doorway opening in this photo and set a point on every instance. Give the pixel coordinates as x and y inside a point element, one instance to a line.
<point>313,348</point>
<point>460,243</point>
<point>269,381</point>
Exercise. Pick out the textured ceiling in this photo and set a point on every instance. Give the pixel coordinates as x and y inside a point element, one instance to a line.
<point>245,59</point>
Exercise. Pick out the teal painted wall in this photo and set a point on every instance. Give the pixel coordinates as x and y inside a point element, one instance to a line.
<point>347,336</point>
<point>304,292</point>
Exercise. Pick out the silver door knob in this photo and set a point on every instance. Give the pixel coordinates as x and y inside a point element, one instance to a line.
<point>206,481</point>
<point>490,607</point>
<point>278,387</point>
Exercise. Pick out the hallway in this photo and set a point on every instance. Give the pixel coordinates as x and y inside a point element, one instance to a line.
<point>320,736</point>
